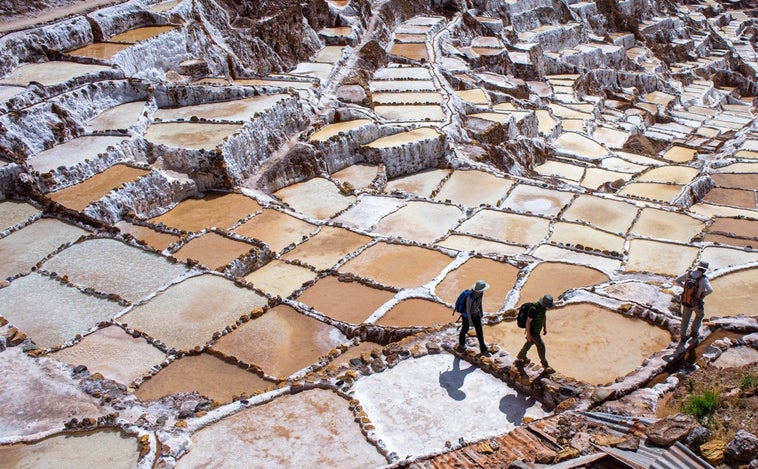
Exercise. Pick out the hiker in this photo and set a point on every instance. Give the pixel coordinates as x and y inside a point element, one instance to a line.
<point>472,314</point>
<point>695,288</point>
<point>536,323</point>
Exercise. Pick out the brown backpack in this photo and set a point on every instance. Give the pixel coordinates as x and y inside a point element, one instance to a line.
<point>689,293</point>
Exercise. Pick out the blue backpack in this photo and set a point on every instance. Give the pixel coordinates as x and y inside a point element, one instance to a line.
<point>460,303</point>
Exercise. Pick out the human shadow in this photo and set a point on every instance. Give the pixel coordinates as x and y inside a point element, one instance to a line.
<point>514,407</point>
<point>452,380</point>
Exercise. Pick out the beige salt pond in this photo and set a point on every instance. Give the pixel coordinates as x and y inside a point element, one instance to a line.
<point>659,257</point>
<point>99,50</point>
<point>422,183</point>
<point>191,135</point>
<point>482,246</point>
<point>102,448</point>
<point>317,198</point>
<point>280,278</point>
<point>578,146</point>
<point>187,314</point>
<point>610,215</point>
<point>560,169</point>
<point>392,86</point>
<point>122,116</point>
<point>359,175</point>
<point>412,51</point>
<point>595,178</point>
<point>237,110</point>
<point>580,333</point>
<point>652,191</point>
<point>669,174</point>
<point>402,73</point>
<point>205,374</point>
<point>665,224</point>
<point>327,247</point>
<point>556,278</point>
<point>438,220</point>
<point>719,257</point>
<point>77,197</point>
<point>266,341</point>
<point>409,98</point>
<point>537,200</point>
<point>150,237</point>
<point>411,113</point>
<point>490,189</point>
<point>275,228</point>
<point>49,73</point>
<point>733,294</point>
<point>213,250</point>
<point>13,213</point>
<point>220,210</point>
<point>550,252</point>
<point>500,276</point>
<point>72,152</point>
<point>140,34</point>
<point>679,154</point>
<point>417,312</point>
<point>330,130</point>
<point>581,236</point>
<point>508,227</point>
<point>351,302</point>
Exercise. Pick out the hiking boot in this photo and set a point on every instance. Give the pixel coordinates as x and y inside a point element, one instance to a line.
<point>486,353</point>
<point>548,370</point>
<point>521,361</point>
<point>460,348</point>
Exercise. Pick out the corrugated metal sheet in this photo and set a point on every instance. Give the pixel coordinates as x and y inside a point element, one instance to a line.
<point>679,456</point>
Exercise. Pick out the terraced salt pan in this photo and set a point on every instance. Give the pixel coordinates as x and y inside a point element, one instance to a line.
<point>403,138</point>
<point>351,302</point>
<point>55,317</point>
<point>742,167</point>
<point>301,84</point>
<point>72,152</point>
<point>422,183</point>
<point>412,51</point>
<point>438,220</point>
<point>206,374</point>
<point>578,333</point>
<point>327,247</point>
<point>422,403</point>
<point>563,112</point>
<point>732,197</point>
<point>99,50</point>
<point>508,227</point>
<point>140,34</point>
<point>213,250</point>
<point>397,265</point>
<point>330,130</point>
<point>669,174</point>
<point>546,122</point>
<point>390,86</point>
<point>733,294</point>
<point>411,113</point>
<point>49,73</point>
<point>573,125</point>
<point>729,240</point>
<point>402,73</point>
<point>7,92</point>
<point>417,312</point>
<point>562,170</point>
<point>679,154</point>
<point>275,228</point>
<point>22,249</point>
<point>187,314</point>
<point>664,224</point>
<point>13,213</point>
<point>314,428</point>
<point>621,165</point>
<point>537,200</point>
<point>473,188</point>
<point>407,98</point>
<point>237,110</point>
<point>367,212</point>
<point>735,226</point>
<point>317,198</point>
<point>279,278</point>
<point>719,257</point>
<point>191,135</point>
<point>581,236</point>
<point>736,181</point>
<point>659,257</point>
<point>121,116</point>
<point>359,175</point>
<point>594,178</point>
<point>220,210</point>
<point>78,196</point>
<point>254,342</point>
<point>165,6</point>
<point>501,277</point>
<point>556,278</point>
<point>558,254</point>
<point>113,353</point>
<point>651,190</point>
<point>315,70</point>
<point>474,96</point>
<point>579,146</point>
<point>610,215</point>
<point>110,266</point>
<point>501,117</point>
<point>612,138</point>
<point>482,246</point>
<point>150,237</point>
<point>329,54</point>
<point>103,448</point>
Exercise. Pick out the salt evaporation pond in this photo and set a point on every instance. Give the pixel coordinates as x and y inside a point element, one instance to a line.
<point>330,130</point>
<point>581,237</point>
<point>508,227</point>
<point>579,146</point>
<point>327,247</point>
<point>556,278</point>
<point>72,152</point>
<point>103,448</point>
<point>482,246</point>
<point>13,213</point>
<point>275,228</point>
<point>404,138</point>
<point>122,116</point>
<point>537,200</point>
<point>280,278</point>
<point>719,257</point>
<point>421,183</point>
<point>665,224</point>
<point>500,276</point>
<point>314,428</point>
<point>733,294</point>
<point>318,198</point>
<point>669,174</point>
<point>611,215</point>
<point>411,113</point>
<point>351,302</point>
<point>140,34</point>
<point>359,175</point>
<point>368,210</point>
<point>416,312</point>
<point>49,73</point>
<point>652,191</point>
<point>150,237</point>
<point>489,188</point>
<point>549,252</point>
<point>659,257</point>
<point>220,210</point>
<point>190,135</point>
<point>213,250</point>
<point>439,219</point>
<point>99,50</point>
<point>78,196</point>
<point>237,110</point>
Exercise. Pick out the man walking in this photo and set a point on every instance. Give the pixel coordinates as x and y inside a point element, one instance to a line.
<point>472,314</point>
<point>695,287</point>
<point>536,323</point>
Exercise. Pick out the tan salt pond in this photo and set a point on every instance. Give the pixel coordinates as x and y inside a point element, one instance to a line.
<point>351,302</point>
<point>489,189</point>
<point>140,34</point>
<point>210,376</point>
<point>317,198</point>
<point>49,73</point>
<point>396,265</point>
<point>612,138</point>
<point>329,246</point>
<point>659,257</point>
<point>573,125</point>
<point>563,112</point>
<point>72,152</point>
<point>412,51</point>
<point>730,241</point>
<point>213,250</point>
<point>560,169</point>
<point>579,333</point>
<point>150,237</point>
<point>475,96</point>
<point>510,227</point>
<point>187,314</point>
<point>220,210</point>
<point>651,190</point>
<point>237,110</point>
<point>579,146</point>
<point>330,54</point>
<point>735,226</point>
<point>595,178</point>
<point>275,228</point>
<point>546,122</point>
<point>736,181</point>
<point>403,138</point>
<point>22,249</point>
<point>78,196</point>
<point>665,224</point>
<point>501,277</point>
<point>581,236</point>
<point>733,294</point>
<point>359,175</point>
<point>191,135</point>
<point>14,213</point>
<point>549,252</point>
<point>679,154</point>
<point>540,201</point>
<point>99,50</point>
<point>437,218</point>
<point>102,448</point>
<point>267,341</point>
<point>417,312</point>
<point>669,174</point>
<point>280,278</point>
<point>67,311</point>
<point>556,278</point>
<point>110,266</point>
<point>314,428</point>
<point>122,116</point>
<point>482,246</point>
<point>330,130</point>
<point>411,113</point>
<point>422,183</point>
<point>608,214</point>
<point>732,197</point>
<point>114,353</point>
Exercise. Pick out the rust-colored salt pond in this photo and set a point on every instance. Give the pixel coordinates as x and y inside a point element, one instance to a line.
<point>213,210</point>
<point>152,238</point>
<point>275,228</point>
<point>500,276</point>
<point>417,312</point>
<point>732,197</point>
<point>77,197</point>
<point>327,247</point>
<point>208,375</point>
<point>733,294</point>
<point>557,278</point>
<point>266,341</point>
<point>351,302</point>
<point>213,250</point>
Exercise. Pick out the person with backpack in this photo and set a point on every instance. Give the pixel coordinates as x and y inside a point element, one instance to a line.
<point>695,287</point>
<point>471,313</point>
<point>536,323</point>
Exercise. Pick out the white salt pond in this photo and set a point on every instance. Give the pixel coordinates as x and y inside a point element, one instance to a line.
<point>327,247</point>
<point>367,212</point>
<point>122,116</point>
<point>72,152</point>
<point>359,175</point>
<point>573,172</point>
<point>236,110</point>
<point>49,73</point>
<point>421,403</point>
<point>720,256</point>
<point>579,146</point>
<point>279,278</point>
<point>411,113</point>
<point>317,198</point>
<point>191,135</point>
<point>439,219</point>
<point>489,189</point>
<point>407,98</point>
<point>330,130</point>
<point>559,254</point>
<point>537,200</point>
<point>403,73</point>
<point>402,86</point>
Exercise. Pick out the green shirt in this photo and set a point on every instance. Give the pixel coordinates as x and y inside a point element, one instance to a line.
<point>538,314</point>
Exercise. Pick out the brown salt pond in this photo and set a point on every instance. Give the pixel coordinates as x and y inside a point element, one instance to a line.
<point>72,152</point>
<point>733,294</point>
<point>659,257</point>
<point>611,215</point>
<point>735,226</point>
<point>220,210</point>
<point>438,220</point>
<point>49,73</point>
<point>213,250</point>
<point>102,448</point>
<point>314,428</point>
<point>556,278</point>
<point>113,353</point>
<point>122,116</point>
<point>191,135</point>
<point>417,312</point>
<point>580,236</point>
<point>540,201</point>
<point>665,224</point>
<point>579,333</point>
<point>679,154</point>
<point>351,302</point>
<point>412,51</point>
<point>397,265</point>
<point>99,50</point>
<point>187,314</point>
<point>275,228</point>
<point>13,213</point>
<point>77,197</point>
<point>280,278</point>
<point>266,341</point>
<point>651,190</point>
<point>150,237</point>
<point>23,248</point>
<point>110,266</point>
<point>205,374</point>
<point>329,246</point>
<point>501,277</point>
<point>508,227</point>
<point>729,240</point>
<point>317,198</point>
<point>732,197</point>
<point>140,34</point>
<point>236,110</point>
<point>490,189</point>
<point>422,183</point>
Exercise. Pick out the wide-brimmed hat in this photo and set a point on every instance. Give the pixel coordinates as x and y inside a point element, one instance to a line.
<point>547,301</point>
<point>702,265</point>
<point>480,285</point>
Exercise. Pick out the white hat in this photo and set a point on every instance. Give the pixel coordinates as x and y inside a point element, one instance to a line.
<point>702,265</point>
<point>547,301</point>
<point>480,285</point>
